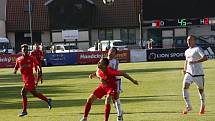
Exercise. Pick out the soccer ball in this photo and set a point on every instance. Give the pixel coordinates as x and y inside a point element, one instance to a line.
<point>108,2</point>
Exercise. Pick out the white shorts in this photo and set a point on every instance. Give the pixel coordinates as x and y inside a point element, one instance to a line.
<point>119,85</point>
<point>198,80</point>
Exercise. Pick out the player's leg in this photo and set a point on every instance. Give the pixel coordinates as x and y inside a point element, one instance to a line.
<point>24,102</point>
<point>185,90</point>
<point>117,101</point>
<point>118,108</point>
<point>199,81</point>
<point>114,102</point>
<point>99,92</point>
<point>107,107</point>
<point>88,105</point>
<point>40,63</point>
<point>42,97</point>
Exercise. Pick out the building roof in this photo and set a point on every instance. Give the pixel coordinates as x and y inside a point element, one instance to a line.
<point>18,17</point>
<point>122,13</point>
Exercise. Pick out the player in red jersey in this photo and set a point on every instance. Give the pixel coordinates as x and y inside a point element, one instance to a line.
<point>106,87</point>
<point>26,63</point>
<point>38,54</point>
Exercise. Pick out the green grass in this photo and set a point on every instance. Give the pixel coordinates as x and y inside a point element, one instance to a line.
<point>157,98</point>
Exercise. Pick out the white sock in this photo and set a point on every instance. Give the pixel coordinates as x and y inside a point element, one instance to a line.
<point>202,98</point>
<point>118,107</point>
<point>186,97</point>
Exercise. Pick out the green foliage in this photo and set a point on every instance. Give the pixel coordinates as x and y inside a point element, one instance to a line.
<point>157,98</point>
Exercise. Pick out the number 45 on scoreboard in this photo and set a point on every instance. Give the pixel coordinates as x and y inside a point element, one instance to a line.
<point>182,22</point>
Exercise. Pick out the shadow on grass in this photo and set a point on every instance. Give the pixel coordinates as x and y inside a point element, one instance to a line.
<point>81,102</point>
<point>168,112</point>
<point>151,70</point>
<point>54,90</point>
<point>78,74</point>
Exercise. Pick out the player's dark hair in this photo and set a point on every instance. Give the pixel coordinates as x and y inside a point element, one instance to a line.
<point>24,45</point>
<point>114,48</point>
<point>194,37</point>
<point>106,61</point>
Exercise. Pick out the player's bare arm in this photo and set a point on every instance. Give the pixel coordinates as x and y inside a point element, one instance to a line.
<point>15,70</point>
<point>204,58</point>
<point>39,73</point>
<point>128,77</point>
<point>185,67</point>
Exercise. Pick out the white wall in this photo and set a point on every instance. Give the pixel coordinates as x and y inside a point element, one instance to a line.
<point>83,36</point>
<point>203,31</point>
<point>94,36</point>
<point>2,18</point>
<point>45,38</point>
<point>116,34</point>
<point>2,28</point>
<point>3,9</point>
<point>11,37</point>
<point>57,37</point>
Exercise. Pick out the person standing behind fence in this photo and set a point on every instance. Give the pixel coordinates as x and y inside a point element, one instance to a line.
<point>193,72</point>
<point>150,43</point>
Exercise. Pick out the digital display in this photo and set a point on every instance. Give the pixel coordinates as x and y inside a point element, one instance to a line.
<point>183,22</point>
<point>204,21</point>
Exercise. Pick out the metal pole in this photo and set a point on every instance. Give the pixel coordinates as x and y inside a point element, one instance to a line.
<point>140,21</point>
<point>30,22</point>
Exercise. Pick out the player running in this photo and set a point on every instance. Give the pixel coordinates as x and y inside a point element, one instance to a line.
<point>106,87</point>
<point>193,72</point>
<point>114,64</point>
<point>26,64</point>
<point>38,54</point>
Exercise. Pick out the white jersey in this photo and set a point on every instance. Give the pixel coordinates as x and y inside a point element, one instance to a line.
<point>114,64</point>
<point>193,54</point>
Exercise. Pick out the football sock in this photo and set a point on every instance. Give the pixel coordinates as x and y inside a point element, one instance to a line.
<point>202,98</point>
<point>107,111</point>
<point>118,107</point>
<point>186,97</point>
<point>87,109</point>
<point>24,103</point>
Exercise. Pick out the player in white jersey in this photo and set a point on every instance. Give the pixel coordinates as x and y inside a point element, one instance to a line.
<point>193,72</point>
<point>114,64</point>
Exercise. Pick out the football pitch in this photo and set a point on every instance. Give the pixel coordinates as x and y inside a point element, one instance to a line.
<point>158,96</point>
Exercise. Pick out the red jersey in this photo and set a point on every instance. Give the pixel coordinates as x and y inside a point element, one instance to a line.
<point>26,68</point>
<point>38,54</point>
<point>109,76</point>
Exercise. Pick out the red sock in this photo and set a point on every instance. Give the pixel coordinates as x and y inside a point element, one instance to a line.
<point>24,104</point>
<point>107,111</point>
<point>42,97</point>
<point>87,109</point>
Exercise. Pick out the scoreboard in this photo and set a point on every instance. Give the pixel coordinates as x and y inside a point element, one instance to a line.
<point>180,22</point>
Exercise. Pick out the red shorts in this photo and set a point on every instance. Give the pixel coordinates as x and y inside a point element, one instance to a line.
<point>102,90</point>
<point>30,87</point>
